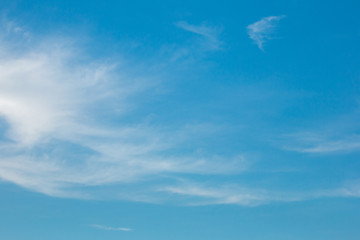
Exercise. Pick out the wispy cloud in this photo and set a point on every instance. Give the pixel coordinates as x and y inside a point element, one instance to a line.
<point>111,228</point>
<point>337,134</point>
<point>332,146</point>
<point>9,28</point>
<point>209,33</point>
<point>68,130</point>
<point>198,194</point>
<point>263,30</point>
<point>308,142</point>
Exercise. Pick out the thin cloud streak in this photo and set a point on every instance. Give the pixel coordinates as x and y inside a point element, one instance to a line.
<point>209,33</point>
<point>107,228</point>
<point>199,195</point>
<point>333,146</point>
<point>261,31</point>
<point>321,143</point>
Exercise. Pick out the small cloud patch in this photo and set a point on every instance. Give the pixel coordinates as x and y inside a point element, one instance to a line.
<point>262,30</point>
<point>107,228</point>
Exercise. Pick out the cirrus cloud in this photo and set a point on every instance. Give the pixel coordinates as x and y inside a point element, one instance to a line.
<point>262,30</point>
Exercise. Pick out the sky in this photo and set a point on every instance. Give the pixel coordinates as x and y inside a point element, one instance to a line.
<point>153,120</point>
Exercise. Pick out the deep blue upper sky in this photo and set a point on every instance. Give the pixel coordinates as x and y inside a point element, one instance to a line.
<point>179,120</point>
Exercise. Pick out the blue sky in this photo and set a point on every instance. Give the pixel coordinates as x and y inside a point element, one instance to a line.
<point>179,120</point>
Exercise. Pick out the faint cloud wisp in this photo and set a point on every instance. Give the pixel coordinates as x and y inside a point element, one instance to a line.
<point>209,33</point>
<point>107,228</point>
<point>322,144</point>
<point>262,30</point>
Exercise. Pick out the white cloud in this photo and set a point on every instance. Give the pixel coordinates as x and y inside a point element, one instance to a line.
<point>111,228</point>
<point>332,146</point>
<point>308,142</point>
<point>202,195</point>
<point>67,132</point>
<point>262,30</point>
<point>209,33</point>
<point>199,194</point>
